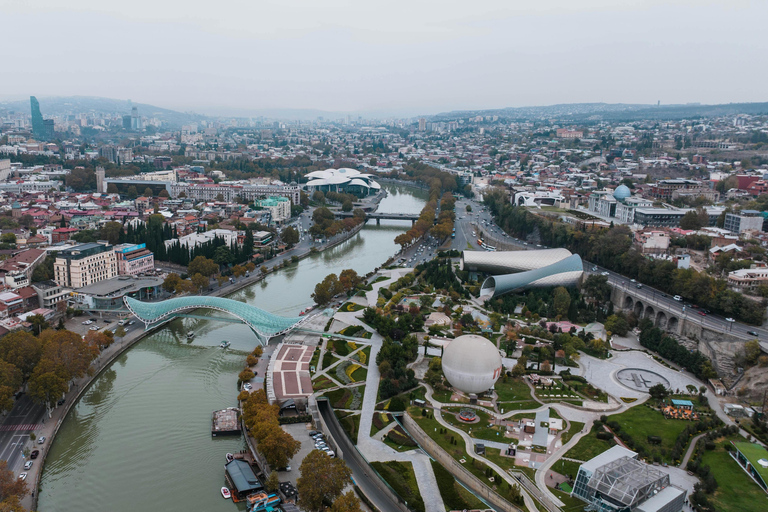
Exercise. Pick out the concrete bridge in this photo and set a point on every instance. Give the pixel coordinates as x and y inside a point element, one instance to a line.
<point>413,217</point>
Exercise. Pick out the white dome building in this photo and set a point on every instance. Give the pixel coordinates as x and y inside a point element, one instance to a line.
<point>342,180</point>
<point>472,363</point>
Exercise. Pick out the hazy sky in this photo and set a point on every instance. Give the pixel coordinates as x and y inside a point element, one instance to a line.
<point>396,55</point>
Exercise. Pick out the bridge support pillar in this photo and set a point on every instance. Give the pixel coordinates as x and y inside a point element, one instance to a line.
<point>378,222</point>
<point>413,221</point>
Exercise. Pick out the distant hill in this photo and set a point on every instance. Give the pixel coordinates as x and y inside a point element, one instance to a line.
<point>586,112</point>
<point>62,106</point>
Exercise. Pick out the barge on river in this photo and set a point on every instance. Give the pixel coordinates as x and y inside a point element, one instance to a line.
<point>226,422</point>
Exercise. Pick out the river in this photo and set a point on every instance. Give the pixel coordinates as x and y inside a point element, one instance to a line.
<point>139,438</point>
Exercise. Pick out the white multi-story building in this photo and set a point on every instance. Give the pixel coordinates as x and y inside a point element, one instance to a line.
<point>195,239</point>
<point>625,211</point>
<point>84,264</point>
<point>279,208</point>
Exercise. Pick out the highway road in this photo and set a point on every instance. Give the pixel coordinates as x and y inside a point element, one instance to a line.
<point>25,417</point>
<point>362,473</point>
<point>648,295</point>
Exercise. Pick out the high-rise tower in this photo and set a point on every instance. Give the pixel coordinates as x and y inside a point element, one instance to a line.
<point>38,124</point>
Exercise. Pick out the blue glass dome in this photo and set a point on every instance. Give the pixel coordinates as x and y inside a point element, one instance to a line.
<point>622,192</point>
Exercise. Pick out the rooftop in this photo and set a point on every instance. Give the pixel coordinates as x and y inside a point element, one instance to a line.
<point>119,286</point>
<point>754,453</point>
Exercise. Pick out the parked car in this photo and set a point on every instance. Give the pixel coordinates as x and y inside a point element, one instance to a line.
<point>41,440</point>
<point>88,322</point>
<point>28,464</point>
<point>34,454</point>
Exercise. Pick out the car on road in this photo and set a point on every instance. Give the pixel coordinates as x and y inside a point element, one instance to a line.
<point>639,285</point>
<point>729,319</point>
<point>702,313</point>
<point>28,464</point>
<point>107,321</point>
<point>41,440</point>
<point>633,280</point>
<point>247,387</point>
<point>23,477</point>
<point>604,274</point>
<point>678,298</point>
<point>594,269</point>
<point>131,322</point>
<point>752,333</point>
<point>34,454</point>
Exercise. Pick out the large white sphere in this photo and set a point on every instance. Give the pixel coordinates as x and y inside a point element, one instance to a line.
<point>471,363</point>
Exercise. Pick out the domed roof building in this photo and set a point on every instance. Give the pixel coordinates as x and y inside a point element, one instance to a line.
<point>622,192</point>
<point>342,180</point>
<point>472,364</point>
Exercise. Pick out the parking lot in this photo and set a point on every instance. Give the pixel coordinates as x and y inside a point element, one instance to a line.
<point>76,324</point>
<point>300,432</point>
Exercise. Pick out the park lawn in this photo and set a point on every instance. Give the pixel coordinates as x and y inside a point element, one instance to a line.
<point>512,390</point>
<point>574,429</point>
<point>350,306</point>
<point>571,504</point>
<point>315,358</point>
<point>566,467</point>
<point>339,398</point>
<point>589,446</point>
<point>329,359</point>
<point>641,422</point>
<point>479,430</point>
<point>401,477</point>
<point>322,382</point>
<point>457,451</point>
<point>359,375</point>
<point>518,406</point>
<point>380,420</point>
<point>736,491</point>
<point>340,347</point>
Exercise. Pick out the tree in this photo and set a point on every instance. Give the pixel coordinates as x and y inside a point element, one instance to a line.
<point>348,279</point>
<point>322,479</point>
<point>690,220</point>
<point>148,192</point>
<point>112,189</point>
<point>11,489</point>
<point>346,206</point>
<point>278,446</point>
<point>171,282</point>
<point>200,281</point>
<point>561,301</point>
<point>223,255</point>
<point>66,350</point>
<point>273,482</point>
<point>164,194</point>
<point>8,238</point>
<point>617,325</point>
<point>47,386</point>
<point>38,323</point>
<point>22,350</point>
<point>10,380</point>
<point>111,231</point>
<point>658,391</point>
<point>202,265</point>
<point>120,332</point>
<point>751,351</point>
<point>326,290</point>
<point>132,192</point>
<point>347,502</point>
<point>318,197</point>
<point>290,235</point>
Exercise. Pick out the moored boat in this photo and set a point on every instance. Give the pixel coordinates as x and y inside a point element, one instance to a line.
<point>225,492</point>
<point>230,457</point>
<point>225,344</point>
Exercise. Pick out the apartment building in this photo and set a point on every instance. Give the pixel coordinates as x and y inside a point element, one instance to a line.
<point>746,220</point>
<point>279,208</point>
<point>84,264</point>
<point>134,259</point>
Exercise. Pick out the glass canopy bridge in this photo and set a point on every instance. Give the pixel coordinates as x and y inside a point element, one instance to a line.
<point>264,324</point>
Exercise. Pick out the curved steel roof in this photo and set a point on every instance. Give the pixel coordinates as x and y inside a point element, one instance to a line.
<point>566,272</point>
<point>262,322</point>
<point>504,262</point>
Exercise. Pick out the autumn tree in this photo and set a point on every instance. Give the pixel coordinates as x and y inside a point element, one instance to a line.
<point>10,380</point>
<point>48,384</point>
<point>148,192</point>
<point>751,352</point>
<point>11,489</point>
<point>67,350</point>
<point>327,289</point>
<point>171,282</point>
<point>22,350</point>
<point>561,301</point>
<point>203,266</point>
<point>111,232</point>
<point>278,446</point>
<point>273,483</point>
<point>39,324</point>
<point>200,281</point>
<point>348,279</point>
<point>322,479</point>
<point>347,502</point>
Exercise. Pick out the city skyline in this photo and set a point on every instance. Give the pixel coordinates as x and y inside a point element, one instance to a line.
<point>398,59</point>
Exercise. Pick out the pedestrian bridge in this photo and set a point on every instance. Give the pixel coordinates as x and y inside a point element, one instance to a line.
<point>264,324</point>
